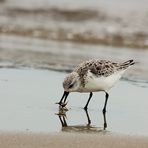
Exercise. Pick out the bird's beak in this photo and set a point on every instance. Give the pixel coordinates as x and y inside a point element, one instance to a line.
<point>65,95</point>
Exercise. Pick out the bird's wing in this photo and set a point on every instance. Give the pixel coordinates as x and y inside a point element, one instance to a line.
<point>97,67</point>
<point>104,68</point>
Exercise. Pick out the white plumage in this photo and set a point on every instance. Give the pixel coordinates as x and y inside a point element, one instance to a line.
<point>92,76</point>
<point>102,83</point>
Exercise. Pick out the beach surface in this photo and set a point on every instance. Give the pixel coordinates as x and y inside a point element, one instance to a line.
<point>66,140</point>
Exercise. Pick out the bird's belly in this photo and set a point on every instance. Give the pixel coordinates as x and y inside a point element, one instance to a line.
<point>101,83</point>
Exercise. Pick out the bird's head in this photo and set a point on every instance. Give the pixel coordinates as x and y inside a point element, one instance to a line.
<point>71,82</point>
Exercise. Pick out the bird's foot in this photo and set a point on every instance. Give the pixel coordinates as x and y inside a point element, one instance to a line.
<point>105,126</point>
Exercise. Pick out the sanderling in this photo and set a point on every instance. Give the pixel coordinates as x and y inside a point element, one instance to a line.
<point>92,76</point>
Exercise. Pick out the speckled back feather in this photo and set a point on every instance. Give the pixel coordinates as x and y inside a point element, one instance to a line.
<point>100,68</point>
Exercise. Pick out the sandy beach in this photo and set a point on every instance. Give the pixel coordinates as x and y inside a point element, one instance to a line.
<point>70,140</point>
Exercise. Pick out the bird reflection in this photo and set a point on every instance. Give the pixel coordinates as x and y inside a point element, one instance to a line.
<point>80,128</point>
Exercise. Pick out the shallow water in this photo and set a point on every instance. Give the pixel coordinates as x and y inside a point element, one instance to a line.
<point>18,52</point>
<point>28,99</point>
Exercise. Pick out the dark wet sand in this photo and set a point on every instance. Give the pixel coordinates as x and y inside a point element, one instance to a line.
<point>69,140</point>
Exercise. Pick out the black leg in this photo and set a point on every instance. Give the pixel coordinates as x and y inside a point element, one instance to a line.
<point>105,123</point>
<point>106,98</point>
<point>88,118</point>
<point>90,95</point>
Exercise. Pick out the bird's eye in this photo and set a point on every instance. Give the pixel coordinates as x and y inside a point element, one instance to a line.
<point>71,85</point>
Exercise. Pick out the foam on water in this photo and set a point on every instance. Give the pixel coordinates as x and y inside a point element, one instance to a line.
<point>115,23</point>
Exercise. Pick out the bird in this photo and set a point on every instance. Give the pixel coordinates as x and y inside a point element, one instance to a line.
<point>93,76</point>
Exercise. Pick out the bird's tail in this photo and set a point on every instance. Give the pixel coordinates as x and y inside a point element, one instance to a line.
<point>127,64</point>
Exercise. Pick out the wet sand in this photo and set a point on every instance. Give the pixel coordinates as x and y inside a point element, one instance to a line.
<point>28,113</point>
<point>30,140</point>
<point>28,98</point>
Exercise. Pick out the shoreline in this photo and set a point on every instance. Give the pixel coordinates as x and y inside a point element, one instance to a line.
<point>39,54</point>
<point>56,140</point>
